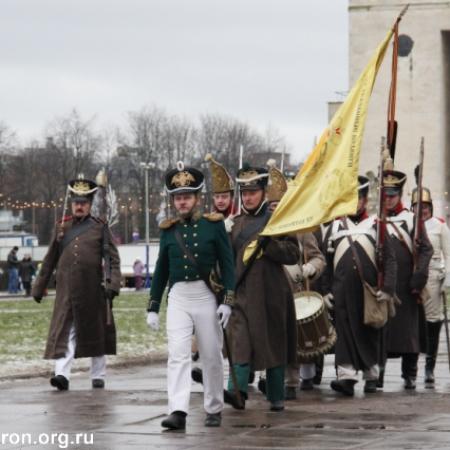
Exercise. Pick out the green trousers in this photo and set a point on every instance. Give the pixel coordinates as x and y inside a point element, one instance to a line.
<point>274,381</point>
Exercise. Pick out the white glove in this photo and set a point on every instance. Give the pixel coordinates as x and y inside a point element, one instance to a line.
<point>328,300</point>
<point>224,313</point>
<point>308,270</point>
<point>383,296</point>
<point>229,222</point>
<point>153,320</point>
<point>446,283</point>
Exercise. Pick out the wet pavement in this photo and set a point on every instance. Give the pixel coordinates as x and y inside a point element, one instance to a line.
<point>127,414</point>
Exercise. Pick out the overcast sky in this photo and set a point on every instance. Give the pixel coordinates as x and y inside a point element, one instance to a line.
<point>268,62</point>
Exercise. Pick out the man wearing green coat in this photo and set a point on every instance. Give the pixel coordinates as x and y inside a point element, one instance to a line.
<point>192,245</point>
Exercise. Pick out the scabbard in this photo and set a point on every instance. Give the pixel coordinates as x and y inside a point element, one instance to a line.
<point>232,371</point>
<point>447,337</point>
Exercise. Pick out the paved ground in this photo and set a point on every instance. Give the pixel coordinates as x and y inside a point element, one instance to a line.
<point>127,414</point>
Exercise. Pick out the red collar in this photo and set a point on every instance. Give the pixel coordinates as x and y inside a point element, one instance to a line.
<point>397,210</point>
<point>357,218</point>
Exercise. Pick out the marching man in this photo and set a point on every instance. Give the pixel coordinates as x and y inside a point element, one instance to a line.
<point>351,263</point>
<point>308,268</point>
<point>82,324</point>
<point>438,278</point>
<point>403,330</point>
<point>263,327</point>
<point>191,246</point>
<point>223,190</point>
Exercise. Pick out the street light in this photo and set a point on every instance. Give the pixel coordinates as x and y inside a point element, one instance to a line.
<point>147,167</point>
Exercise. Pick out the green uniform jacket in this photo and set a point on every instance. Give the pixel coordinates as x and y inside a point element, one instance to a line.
<point>206,238</point>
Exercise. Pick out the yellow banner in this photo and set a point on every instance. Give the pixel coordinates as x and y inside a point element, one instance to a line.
<point>326,186</point>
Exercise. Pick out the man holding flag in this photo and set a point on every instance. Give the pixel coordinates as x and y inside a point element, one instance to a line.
<point>262,326</point>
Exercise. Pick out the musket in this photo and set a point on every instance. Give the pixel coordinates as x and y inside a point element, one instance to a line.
<point>418,221</point>
<point>381,219</point>
<point>233,375</point>
<point>102,181</point>
<point>241,163</point>
<point>444,301</point>
<point>60,233</point>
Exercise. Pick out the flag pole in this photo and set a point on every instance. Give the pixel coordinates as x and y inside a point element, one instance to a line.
<point>392,124</point>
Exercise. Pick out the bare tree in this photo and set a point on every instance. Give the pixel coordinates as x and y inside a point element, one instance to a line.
<point>7,145</point>
<point>78,142</point>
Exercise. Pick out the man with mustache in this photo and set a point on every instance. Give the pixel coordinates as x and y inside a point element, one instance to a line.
<point>82,324</point>
<point>191,246</point>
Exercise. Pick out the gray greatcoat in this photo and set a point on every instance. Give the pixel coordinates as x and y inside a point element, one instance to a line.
<point>80,297</point>
<point>263,326</point>
<point>357,344</point>
<point>404,331</point>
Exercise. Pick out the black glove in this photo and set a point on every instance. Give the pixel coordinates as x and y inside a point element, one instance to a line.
<point>110,294</point>
<point>418,281</point>
<point>37,299</point>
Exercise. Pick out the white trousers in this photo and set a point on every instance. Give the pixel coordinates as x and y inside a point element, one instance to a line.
<point>63,365</point>
<point>191,305</point>
<point>434,308</point>
<point>307,371</point>
<point>348,372</point>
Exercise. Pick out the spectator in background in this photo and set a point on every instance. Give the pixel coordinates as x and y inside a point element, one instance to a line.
<point>26,272</point>
<point>135,236</point>
<point>138,269</point>
<point>12,265</point>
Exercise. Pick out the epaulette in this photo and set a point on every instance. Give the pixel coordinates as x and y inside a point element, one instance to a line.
<point>441,219</point>
<point>213,217</point>
<point>167,223</point>
<point>65,219</point>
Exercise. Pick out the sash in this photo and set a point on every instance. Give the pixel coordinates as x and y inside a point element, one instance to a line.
<point>363,233</point>
<point>76,231</point>
<point>256,225</point>
<point>395,229</point>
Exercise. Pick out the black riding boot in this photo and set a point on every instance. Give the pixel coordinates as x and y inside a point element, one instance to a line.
<point>433,331</point>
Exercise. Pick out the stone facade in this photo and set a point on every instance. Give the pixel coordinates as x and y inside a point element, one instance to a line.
<point>423,91</point>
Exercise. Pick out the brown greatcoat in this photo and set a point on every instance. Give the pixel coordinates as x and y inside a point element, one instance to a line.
<point>262,325</point>
<point>79,292</point>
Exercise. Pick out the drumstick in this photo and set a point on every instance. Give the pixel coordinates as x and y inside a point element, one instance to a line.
<point>304,259</point>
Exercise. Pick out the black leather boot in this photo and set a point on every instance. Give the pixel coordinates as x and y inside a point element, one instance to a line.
<point>175,421</point>
<point>380,381</point>
<point>98,383</point>
<point>433,331</point>
<point>307,384</point>
<point>230,398</point>
<point>410,383</point>
<point>345,387</point>
<point>370,386</point>
<point>319,370</point>
<point>60,382</point>
<point>213,420</point>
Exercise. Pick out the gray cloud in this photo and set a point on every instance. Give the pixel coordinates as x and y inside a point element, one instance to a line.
<point>269,61</point>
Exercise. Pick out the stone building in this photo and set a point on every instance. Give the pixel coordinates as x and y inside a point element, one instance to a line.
<point>423,91</point>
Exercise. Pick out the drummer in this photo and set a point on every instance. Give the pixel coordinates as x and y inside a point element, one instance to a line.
<point>358,345</point>
<point>308,268</point>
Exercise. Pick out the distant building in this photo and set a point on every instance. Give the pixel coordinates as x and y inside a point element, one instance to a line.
<point>423,88</point>
<point>8,221</point>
